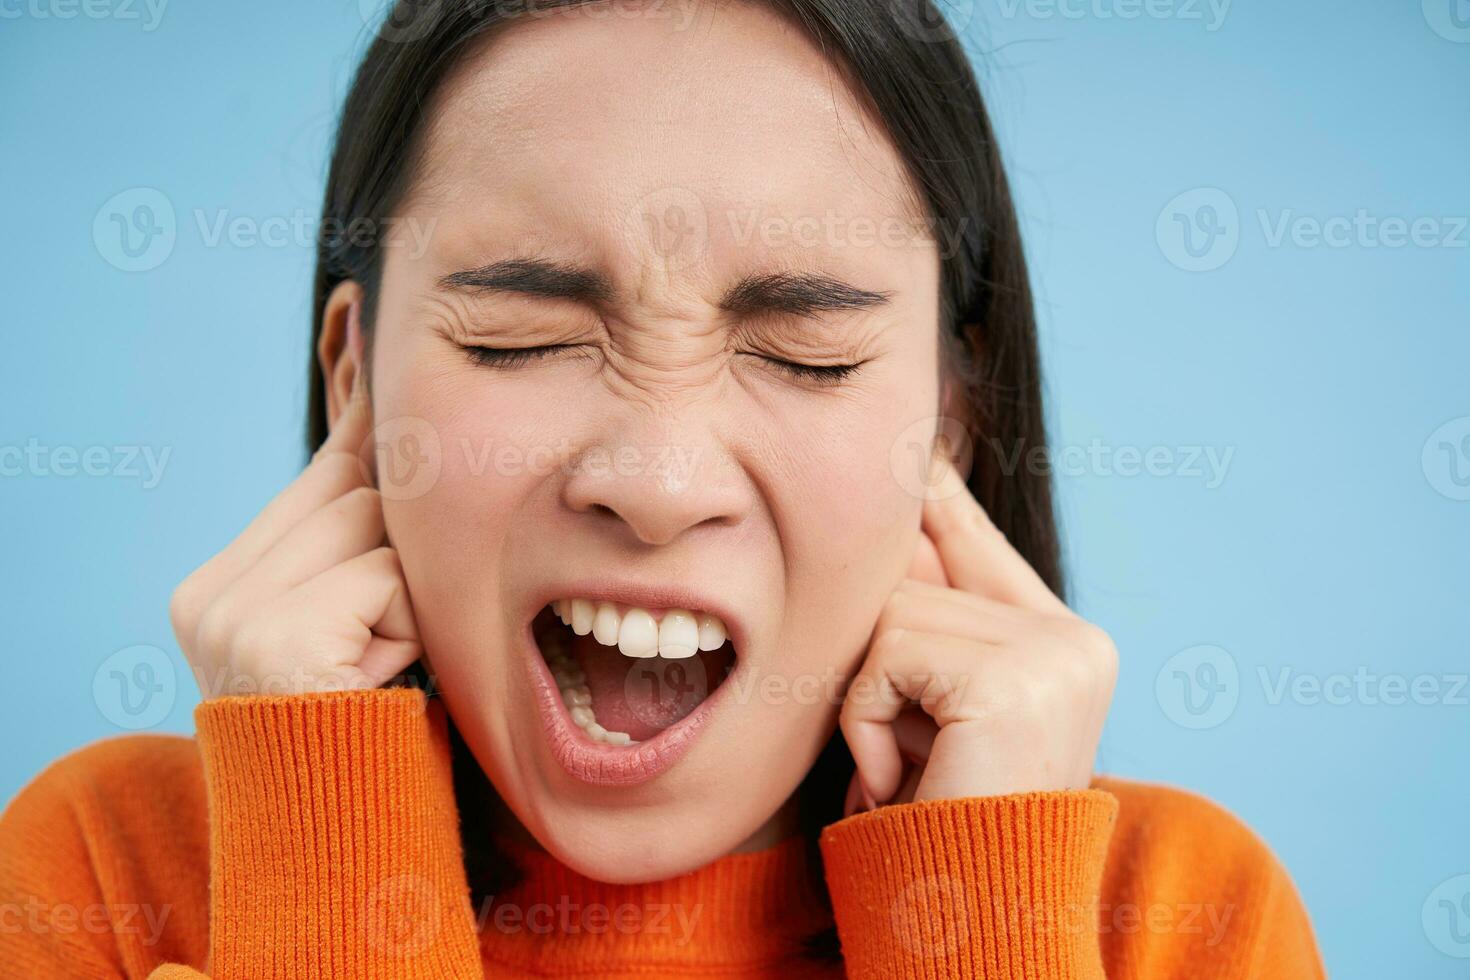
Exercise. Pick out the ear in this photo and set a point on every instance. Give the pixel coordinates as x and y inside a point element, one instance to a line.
<point>954,409</point>
<point>955,436</point>
<point>339,350</point>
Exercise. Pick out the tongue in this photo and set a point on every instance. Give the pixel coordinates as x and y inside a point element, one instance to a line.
<point>644,696</point>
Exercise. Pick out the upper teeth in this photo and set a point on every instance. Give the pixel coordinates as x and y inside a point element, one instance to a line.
<point>678,634</point>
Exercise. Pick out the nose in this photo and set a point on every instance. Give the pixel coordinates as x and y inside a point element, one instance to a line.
<point>656,487</point>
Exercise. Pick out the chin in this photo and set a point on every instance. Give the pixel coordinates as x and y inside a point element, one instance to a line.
<point>622,852</point>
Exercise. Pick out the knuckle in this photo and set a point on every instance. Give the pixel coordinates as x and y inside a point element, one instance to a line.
<point>215,632</point>
<point>896,611</point>
<point>384,560</point>
<point>362,496</point>
<point>1100,654</point>
<point>890,643</point>
<point>339,468</point>
<point>1010,697</point>
<point>358,502</point>
<point>256,642</point>
<point>183,610</point>
<point>1093,637</point>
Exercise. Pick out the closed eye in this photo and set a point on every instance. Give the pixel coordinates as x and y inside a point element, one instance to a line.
<point>822,374</point>
<point>512,357</point>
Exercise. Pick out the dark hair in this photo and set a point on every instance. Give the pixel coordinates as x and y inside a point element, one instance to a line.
<point>904,62</point>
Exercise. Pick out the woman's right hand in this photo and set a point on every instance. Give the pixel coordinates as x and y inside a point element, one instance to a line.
<point>309,597</point>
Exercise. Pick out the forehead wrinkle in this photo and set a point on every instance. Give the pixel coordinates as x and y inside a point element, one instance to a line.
<point>515,81</point>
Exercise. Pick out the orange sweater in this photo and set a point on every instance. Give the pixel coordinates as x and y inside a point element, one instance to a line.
<point>316,837</point>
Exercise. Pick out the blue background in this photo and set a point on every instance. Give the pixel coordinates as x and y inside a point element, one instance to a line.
<point>1330,544</point>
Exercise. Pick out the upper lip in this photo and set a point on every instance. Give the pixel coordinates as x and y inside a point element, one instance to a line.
<point>646,596</point>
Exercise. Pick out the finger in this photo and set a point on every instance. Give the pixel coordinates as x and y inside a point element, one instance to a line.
<point>927,608</point>
<point>902,666</point>
<point>352,426</point>
<point>318,485</point>
<point>926,565</point>
<point>374,636</point>
<point>329,475</point>
<point>369,590</point>
<point>976,555</point>
<point>385,659</point>
<point>915,731</point>
<point>854,796</point>
<point>344,528</point>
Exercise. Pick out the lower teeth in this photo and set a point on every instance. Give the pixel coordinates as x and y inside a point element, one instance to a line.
<point>575,694</point>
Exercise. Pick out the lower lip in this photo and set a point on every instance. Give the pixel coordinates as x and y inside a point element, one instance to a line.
<point>598,763</point>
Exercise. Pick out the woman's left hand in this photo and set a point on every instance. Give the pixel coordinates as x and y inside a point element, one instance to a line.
<point>978,681</point>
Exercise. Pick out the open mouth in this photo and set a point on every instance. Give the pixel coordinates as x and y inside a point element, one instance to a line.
<point>626,673</point>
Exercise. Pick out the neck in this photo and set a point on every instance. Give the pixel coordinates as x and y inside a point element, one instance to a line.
<point>782,825</point>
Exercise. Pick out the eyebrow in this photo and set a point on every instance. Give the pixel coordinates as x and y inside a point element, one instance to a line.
<point>534,277</point>
<point>792,293</point>
<point>797,294</point>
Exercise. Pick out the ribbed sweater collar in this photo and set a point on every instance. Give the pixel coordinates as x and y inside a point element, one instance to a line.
<point>743,909</point>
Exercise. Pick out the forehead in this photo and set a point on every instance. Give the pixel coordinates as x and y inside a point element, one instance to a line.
<point>622,129</point>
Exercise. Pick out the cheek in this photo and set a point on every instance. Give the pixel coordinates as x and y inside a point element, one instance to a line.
<point>485,448</point>
<point>853,521</point>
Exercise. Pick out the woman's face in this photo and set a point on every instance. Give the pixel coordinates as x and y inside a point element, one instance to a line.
<point>712,206</point>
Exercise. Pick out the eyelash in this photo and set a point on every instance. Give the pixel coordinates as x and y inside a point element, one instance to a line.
<point>514,357</point>
<point>822,374</point>
<point>511,357</point>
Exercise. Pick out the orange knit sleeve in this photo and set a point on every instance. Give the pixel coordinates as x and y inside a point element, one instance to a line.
<point>334,841</point>
<point>998,888</point>
<point>1125,881</point>
<point>332,850</point>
